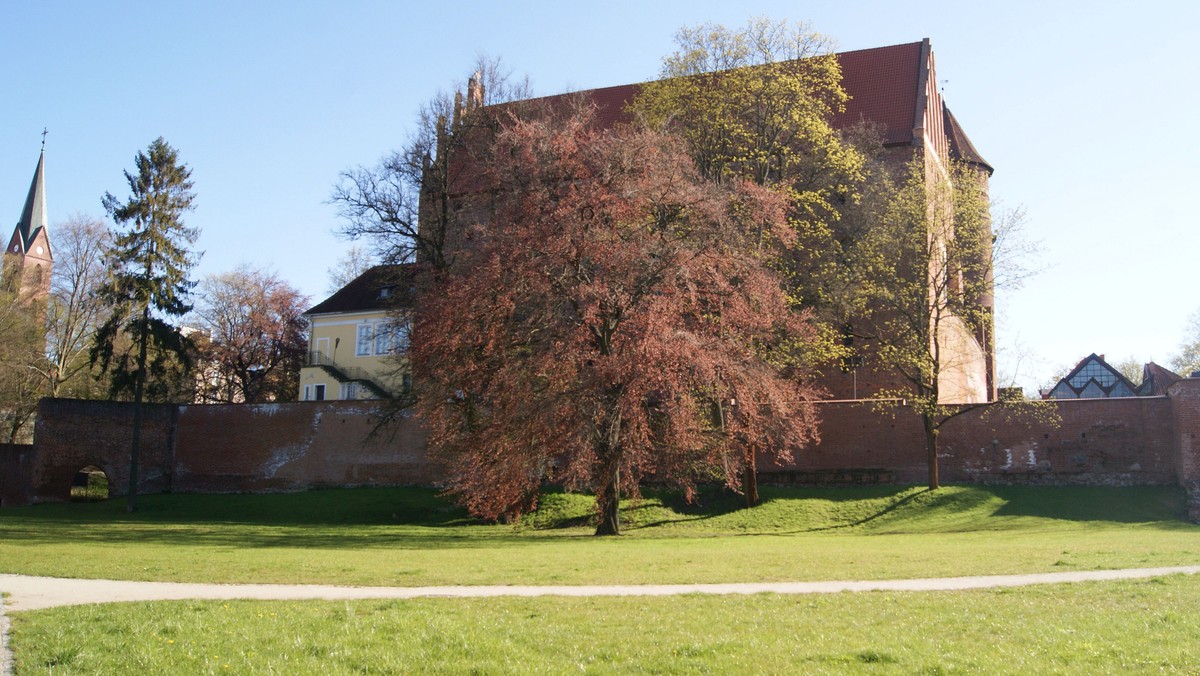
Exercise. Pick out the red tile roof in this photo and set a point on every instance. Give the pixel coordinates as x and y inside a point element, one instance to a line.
<point>1156,379</point>
<point>883,88</point>
<point>882,84</point>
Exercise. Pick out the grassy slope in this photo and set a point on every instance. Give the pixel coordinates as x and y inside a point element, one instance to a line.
<point>411,537</point>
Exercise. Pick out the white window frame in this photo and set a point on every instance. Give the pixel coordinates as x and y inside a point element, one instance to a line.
<point>382,337</point>
<point>364,339</point>
<point>382,343</point>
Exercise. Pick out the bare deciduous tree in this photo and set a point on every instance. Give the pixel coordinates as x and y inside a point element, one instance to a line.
<point>357,260</point>
<point>74,311</point>
<point>256,337</point>
<point>403,205</point>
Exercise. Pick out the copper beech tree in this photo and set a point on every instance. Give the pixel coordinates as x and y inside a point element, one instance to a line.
<point>608,321</point>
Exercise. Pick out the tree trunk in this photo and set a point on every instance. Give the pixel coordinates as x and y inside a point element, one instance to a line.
<point>750,478</point>
<point>609,501</point>
<point>931,449</point>
<point>138,393</point>
<point>608,496</point>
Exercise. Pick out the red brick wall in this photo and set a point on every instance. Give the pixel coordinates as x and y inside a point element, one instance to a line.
<point>1145,440</point>
<point>13,461</point>
<point>1185,399</point>
<point>295,446</point>
<point>71,434</point>
<point>1094,441</point>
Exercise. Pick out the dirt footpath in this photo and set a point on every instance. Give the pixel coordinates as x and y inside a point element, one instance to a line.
<point>31,593</point>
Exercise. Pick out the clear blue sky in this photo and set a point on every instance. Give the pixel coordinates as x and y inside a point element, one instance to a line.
<point>1087,111</point>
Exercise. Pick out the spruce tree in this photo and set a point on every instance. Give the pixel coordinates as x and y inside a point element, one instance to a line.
<point>148,287</point>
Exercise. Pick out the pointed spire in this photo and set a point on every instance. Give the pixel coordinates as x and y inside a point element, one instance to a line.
<point>33,217</point>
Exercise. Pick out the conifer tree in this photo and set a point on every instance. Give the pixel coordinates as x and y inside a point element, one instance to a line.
<point>148,286</point>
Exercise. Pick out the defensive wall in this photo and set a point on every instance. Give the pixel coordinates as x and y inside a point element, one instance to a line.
<point>1080,441</point>
<point>285,447</point>
<point>215,449</point>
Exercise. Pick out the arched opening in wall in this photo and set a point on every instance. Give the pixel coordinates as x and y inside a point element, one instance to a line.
<point>89,485</point>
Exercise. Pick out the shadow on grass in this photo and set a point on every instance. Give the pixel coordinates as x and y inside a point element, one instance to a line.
<point>889,508</point>
<point>1131,504</point>
<point>418,519</point>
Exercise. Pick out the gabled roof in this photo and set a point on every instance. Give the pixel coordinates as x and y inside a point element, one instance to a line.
<point>883,84</point>
<point>379,288</point>
<point>33,216</point>
<point>1093,378</point>
<point>1156,379</point>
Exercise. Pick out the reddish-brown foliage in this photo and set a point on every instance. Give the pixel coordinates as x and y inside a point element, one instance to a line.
<point>613,319</point>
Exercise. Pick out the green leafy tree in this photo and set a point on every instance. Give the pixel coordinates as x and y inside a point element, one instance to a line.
<point>915,280</point>
<point>755,103</point>
<point>1188,359</point>
<point>148,287</point>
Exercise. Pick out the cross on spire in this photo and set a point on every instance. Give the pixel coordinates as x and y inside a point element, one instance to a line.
<point>44,132</point>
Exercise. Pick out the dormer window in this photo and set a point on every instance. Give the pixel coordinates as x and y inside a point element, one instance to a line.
<point>386,292</point>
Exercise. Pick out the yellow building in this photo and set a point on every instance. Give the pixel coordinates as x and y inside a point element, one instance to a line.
<point>358,340</point>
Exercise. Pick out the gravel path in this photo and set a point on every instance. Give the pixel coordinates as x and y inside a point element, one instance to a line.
<point>30,593</point>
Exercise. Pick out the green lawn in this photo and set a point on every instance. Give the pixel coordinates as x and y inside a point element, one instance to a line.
<point>1116,627</point>
<point>411,537</point>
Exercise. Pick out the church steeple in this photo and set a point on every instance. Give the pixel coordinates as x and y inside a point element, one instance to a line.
<point>33,216</point>
<point>27,258</point>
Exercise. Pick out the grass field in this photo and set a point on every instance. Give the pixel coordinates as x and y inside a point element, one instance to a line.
<point>411,537</point>
<point>1119,627</point>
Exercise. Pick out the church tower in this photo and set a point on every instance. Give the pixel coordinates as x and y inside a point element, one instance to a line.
<point>27,258</point>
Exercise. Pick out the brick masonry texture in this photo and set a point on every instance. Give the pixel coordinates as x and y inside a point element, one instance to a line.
<point>284,447</point>
<point>270,447</point>
<point>1096,441</point>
